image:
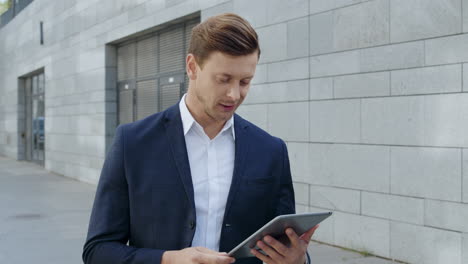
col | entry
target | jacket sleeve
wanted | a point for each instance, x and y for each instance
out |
(286, 202)
(109, 226)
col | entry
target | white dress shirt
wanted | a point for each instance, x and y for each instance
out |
(211, 165)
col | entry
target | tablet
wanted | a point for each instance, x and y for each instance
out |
(275, 228)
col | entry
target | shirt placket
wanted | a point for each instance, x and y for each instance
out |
(212, 172)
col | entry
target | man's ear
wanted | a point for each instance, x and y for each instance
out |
(191, 66)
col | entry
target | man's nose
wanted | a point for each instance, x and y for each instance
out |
(234, 92)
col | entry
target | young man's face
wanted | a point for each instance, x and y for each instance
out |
(222, 83)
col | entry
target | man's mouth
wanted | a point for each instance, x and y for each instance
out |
(227, 107)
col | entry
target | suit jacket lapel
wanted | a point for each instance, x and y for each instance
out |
(175, 135)
(241, 150)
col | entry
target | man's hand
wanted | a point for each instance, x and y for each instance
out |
(278, 253)
(196, 255)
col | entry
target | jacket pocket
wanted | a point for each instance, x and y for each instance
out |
(260, 180)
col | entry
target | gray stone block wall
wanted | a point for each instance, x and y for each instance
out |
(369, 95)
(362, 233)
(387, 122)
(422, 244)
(80, 73)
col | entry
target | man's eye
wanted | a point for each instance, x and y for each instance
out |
(244, 83)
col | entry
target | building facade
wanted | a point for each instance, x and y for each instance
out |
(370, 97)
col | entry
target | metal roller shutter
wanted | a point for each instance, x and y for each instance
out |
(151, 71)
(147, 57)
(171, 50)
(170, 94)
(146, 98)
(126, 107)
(126, 59)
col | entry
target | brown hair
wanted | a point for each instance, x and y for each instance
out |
(227, 33)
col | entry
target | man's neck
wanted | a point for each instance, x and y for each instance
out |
(210, 126)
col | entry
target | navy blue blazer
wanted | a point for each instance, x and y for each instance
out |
(145, 194)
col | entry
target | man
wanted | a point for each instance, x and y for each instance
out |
(192, 181)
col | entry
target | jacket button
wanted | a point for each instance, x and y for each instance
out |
(192, 224)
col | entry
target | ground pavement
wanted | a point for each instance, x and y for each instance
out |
(44, 219)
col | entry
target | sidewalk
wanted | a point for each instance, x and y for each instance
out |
(44, 219)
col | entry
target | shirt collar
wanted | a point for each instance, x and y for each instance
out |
(188, 121)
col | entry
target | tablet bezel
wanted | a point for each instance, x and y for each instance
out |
(299, 222)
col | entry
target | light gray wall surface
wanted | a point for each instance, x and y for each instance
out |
(370, 97)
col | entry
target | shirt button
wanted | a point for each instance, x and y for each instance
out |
(192, 224)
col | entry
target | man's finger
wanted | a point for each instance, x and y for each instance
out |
(209, 251)
(260, 256)
(295, 242)
(277, 245)
(308, 234)
(270, 251)
(209, 258)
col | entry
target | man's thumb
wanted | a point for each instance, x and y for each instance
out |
(308, 235)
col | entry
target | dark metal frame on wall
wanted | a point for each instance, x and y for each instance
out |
(33, 131)
(163, 82)
(171, 79)
(16, 7)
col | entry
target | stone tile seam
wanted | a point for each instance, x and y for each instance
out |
(337, 8)
(381, 193)
(388, 44)
(358, 98)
